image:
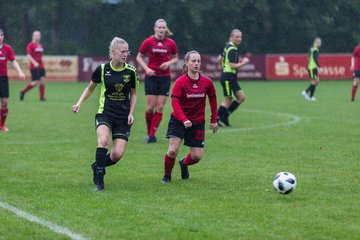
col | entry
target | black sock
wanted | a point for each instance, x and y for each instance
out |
(233, 106)
(223, 111)
(308, 89)
(101, 157)
(108, 161)
(312, 90)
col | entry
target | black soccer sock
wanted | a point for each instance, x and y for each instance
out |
(308, 89)
(312, 90)
(233, 106)
(108, 161)
(223, 111)
(101, 158)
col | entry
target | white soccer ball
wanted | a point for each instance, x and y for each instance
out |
(284, 182)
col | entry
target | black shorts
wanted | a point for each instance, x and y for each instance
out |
(119, 128)
(4, 87)
(356, 74)
(193, 137)
(157, 85)
(37, 73)
(230, 84)
(313, 73)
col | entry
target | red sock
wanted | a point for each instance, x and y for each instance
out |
(3, 116)
(155, 123)
(42, 91)
(148, 117)
(353, 92)
(27, 88)
(168, 165)
(189, 161)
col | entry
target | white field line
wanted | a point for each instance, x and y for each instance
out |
(52, 226)
(293, 119)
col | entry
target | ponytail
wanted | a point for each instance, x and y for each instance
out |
(168, 32)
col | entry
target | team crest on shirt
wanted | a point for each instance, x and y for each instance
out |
(119, 87)
(126, 78)
(195, 85)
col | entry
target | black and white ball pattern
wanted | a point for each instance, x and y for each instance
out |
(284, 182)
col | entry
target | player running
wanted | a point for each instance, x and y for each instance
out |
(187, 120)
(162, 53)
(6, 54)
(35, 52)
(230, 64)
(355, 67)
(313, 70)
(118, 81)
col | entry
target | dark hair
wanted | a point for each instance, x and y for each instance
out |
(186, 58)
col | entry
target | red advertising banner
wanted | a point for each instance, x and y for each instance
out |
(294, 66)
(210, 67)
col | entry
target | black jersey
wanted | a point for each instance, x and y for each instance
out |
(116, 85)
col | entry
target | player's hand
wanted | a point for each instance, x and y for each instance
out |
(214, 127)
(130, 119)
(150, 72)
(165, 65)
(36, 64)
(22, 76)
(245, 60)
(187, 124)
(75, 108)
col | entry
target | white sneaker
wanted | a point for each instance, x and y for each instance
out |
(313, 99)
(305, 95)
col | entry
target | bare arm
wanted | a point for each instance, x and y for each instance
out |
(32, 60)
(238, 65)
(352, 66)
(174, 59)
(220, 59)
(87, 92)
(18, 69)
(133, 99)
(140, 60)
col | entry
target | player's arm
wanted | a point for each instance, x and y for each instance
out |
(316, 58)
(233, 59)
(352, 66)
(174, 58)
(32, 60)
(87, 92)
(220, 59)
(213, 108)
(18, 69)
(175, 103)
(140, 59)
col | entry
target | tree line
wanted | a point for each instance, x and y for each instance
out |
(85, 27)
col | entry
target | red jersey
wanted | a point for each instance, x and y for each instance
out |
(6, 54)
(356, 55)
(159, 51)
(36, 51)
(188, 99)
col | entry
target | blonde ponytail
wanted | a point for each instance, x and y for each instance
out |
(168, 32)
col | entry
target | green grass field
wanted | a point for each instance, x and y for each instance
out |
(45, 170)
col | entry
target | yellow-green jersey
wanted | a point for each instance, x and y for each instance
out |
(230, 55)
(313, 58)
(116, 85)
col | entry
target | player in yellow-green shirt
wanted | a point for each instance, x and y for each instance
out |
(313, 70)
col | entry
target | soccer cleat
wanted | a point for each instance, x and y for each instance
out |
(305, 95)
(43, 100)
(225, 120)
(353, 100)
(100, 179)
(21, 96)
(4, 129)
(313, 99)
(218, 122)
(94, 167)
(184, 169)
(149, 139)
(166, 179)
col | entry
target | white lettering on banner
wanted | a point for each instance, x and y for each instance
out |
(195, 95)
(332, 70)
(299, 70)
(89, 64)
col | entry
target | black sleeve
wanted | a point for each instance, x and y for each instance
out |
(96, 76)
(233, 56)
(316, 58)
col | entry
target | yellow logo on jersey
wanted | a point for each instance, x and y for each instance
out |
(119, 87)
(126, 78)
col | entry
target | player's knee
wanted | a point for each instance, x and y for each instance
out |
(117, 155)
(196, 157)
(4, 103)
(160, 107)
(103, 142)
(172, 153)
